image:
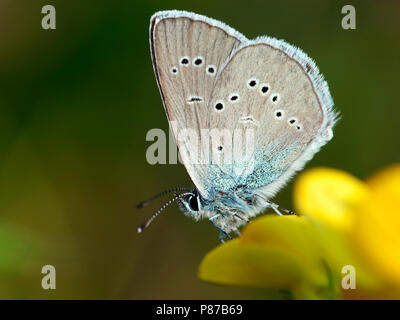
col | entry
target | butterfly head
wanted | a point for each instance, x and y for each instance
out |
(192, 204)
(237, 201)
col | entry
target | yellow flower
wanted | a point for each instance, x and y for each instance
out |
(365, 216)
(377, 229)
(273, 252)
(345, 221)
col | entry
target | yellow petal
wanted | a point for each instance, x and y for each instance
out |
(387, 180)
(273, 252)
(385, 292)
(329, 196)
(337, 252)
(253, 265)
(376, 234)
(291, 234)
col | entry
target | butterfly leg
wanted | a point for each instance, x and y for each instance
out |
(222, 232)
(278, 209)
(221, 237)
(237, 232)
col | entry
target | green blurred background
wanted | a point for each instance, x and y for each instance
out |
(76, 104)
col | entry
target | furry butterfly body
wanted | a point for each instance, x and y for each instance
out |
(212, 77)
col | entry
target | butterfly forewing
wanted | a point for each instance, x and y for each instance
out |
(188, 51)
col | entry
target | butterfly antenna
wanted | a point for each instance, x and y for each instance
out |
(146, 202)
(147, 223)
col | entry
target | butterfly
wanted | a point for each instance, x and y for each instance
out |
(212, 78)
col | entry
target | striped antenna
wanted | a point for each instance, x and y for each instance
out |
(147, 223)
(146, 202)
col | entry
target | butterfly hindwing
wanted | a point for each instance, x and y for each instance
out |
(283, 99)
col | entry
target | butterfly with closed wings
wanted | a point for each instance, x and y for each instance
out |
(211, 77)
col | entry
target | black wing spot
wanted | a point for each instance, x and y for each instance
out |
(195, 99)
(219, 106)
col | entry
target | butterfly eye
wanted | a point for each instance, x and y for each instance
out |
(193, 204)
